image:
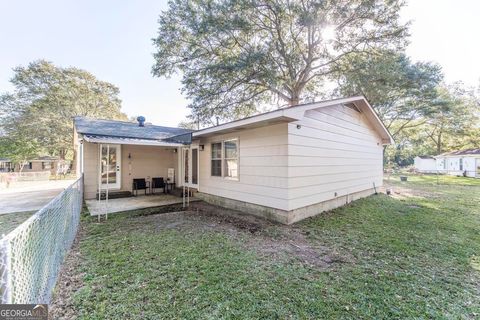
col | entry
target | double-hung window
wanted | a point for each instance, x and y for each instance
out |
(225, 159)
(230, 158)
(217, 159)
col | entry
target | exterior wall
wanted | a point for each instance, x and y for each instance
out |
(288, 173)
(37, 167)
(146, 162)
(453, 165)
(90, 169)
(425, 165)
(334, 153)
(263, 163)
(470, 165)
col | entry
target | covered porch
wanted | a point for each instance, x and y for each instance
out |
(112, 165)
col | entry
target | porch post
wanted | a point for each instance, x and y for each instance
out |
(99, 176)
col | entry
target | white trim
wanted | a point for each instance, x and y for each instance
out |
(130, 141)
(118, 171)
(296, 113)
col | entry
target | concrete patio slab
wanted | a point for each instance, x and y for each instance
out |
(132, 203)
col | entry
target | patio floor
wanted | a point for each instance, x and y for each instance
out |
(133, 203)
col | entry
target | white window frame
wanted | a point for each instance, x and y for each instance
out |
(212, 159)
(223, 159)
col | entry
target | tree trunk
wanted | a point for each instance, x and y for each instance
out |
(439, 143)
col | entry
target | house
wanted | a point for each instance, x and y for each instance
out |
(6, 165)
(425, 164)
(40, 164)
(463, 162)
(285, 165)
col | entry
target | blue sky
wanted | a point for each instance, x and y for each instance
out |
(112, 40)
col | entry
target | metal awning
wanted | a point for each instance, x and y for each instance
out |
(132, 141)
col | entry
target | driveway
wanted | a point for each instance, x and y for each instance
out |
(30, 196)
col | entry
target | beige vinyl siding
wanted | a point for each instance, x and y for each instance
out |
(146, 162)
(90, 169)
(334, 153)
(263, 173)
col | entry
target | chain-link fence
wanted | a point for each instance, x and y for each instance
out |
(32, 254)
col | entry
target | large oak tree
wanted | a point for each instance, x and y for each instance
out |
(237, 55)
(46, 98)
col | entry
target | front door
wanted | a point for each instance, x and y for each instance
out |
(110, 158)
(190, 167)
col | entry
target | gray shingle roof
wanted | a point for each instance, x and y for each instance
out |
(123, 129)
(463, 152)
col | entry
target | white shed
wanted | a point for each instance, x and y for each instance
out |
(425, 164)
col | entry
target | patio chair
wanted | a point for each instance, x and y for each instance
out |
(140, 184)
(158, 183)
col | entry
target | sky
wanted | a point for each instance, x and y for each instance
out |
(112, 40)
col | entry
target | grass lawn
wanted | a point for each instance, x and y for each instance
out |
(413, 255)
(10, 221)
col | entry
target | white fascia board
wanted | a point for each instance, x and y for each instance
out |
(283, 114)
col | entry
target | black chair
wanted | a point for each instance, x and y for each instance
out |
(140, 184)
(158, 183)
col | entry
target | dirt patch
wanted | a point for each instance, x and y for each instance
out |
(69, 281)
(270, 240)
(404, 192)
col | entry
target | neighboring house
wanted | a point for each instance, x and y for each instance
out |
(284, 165)
(425, 164)
(6, 165)
(40, 164)
(463, 162)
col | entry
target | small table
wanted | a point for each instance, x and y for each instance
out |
(169, 185)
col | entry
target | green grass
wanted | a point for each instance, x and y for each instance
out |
(10, 221)
(416, 257)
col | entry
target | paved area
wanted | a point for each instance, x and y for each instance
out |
(132, 203)
(30, 196)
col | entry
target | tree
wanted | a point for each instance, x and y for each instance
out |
(18, 149)
(45, 100)
(454, 125)
(400, 91)
(237, 55)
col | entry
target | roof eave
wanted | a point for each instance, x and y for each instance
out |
(278, 116)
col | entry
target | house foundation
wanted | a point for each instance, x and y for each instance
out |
(283, 216)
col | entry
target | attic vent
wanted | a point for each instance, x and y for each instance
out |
(352, 106)
(141, 121)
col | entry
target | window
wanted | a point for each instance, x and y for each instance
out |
(217, 159)
(461, 164)
(46, 165)
(225, 159)
(231, 159)
(5, 166)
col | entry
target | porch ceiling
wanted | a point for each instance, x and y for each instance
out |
(131, 141)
